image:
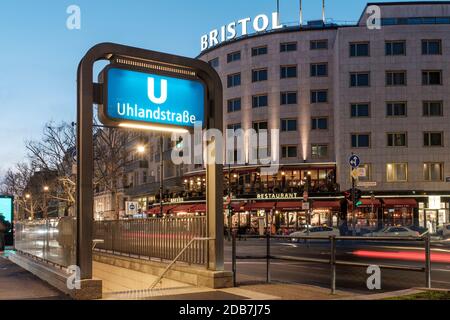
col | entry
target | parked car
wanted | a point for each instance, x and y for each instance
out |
(420, 230)
(394, 232)
(315, 232)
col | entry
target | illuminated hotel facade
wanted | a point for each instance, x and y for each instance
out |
(333, 90)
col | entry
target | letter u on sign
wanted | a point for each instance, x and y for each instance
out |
(151, 91)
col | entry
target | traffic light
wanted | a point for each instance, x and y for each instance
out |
(348, 195)
(358, 196)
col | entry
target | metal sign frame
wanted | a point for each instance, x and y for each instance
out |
(90, 93)
(103, 107)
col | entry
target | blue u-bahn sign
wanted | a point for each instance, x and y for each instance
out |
(145, 97)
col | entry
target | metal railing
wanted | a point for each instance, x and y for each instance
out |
(161, 276)
(332, 262)
(154, 238)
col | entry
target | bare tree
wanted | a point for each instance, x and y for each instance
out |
(111, 159)
(54, 153)
(16, 183)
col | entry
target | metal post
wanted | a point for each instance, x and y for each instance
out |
(333, 264)
(233, 257)
(354, 207)
(161, 174)
(427, 262)
(268, 258)
(230, 213)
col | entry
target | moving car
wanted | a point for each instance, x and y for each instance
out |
(394, 232)
(315, 232)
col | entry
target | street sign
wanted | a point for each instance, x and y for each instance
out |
(131, 208)
(151, 98)
(305, 196)
(367, 184)
(361, 172)
(354, 161)
(305, 206)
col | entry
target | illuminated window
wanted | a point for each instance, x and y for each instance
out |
(397, 172)
(319, 151)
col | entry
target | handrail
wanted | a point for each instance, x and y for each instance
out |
(176, 259)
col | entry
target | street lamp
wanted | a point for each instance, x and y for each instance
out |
(140, 149)
(46, 190)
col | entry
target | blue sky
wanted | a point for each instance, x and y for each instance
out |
(39, 55)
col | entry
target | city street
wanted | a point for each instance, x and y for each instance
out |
(348, 278)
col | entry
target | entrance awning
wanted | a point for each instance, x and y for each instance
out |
(289, 206)
(183, 208)
(400, 203)
(235, 206)
(157, 210)
(327, 205)
(259, 206)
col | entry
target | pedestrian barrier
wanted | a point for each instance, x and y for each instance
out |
(331, 261)
(154, 238)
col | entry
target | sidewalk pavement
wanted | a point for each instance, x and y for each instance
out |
(19, 284)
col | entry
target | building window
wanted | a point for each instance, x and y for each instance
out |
(433, 171)
(360, 110)
(396, 78)
(397, 172)
(433, 139)
(288, 47)
(319, 123)
(259, 51)
(396, 48)
(288, 125)
(234, 56)
(433, 109)
(359, 49)
(431, 77)
(144, 176)
(260, 101)
(260, 125)
(359, 79)
(288, 98)
(319, 151)
(360, 140)
(319, 69)
(234, 80)
(288, 72)
(397, 139)
(234, 105)
(431, 47)
(368, 172)
(396, 109)
(319, 96)
(288, 152)
(214, 62)
(318, 44)
(234, 126)
(259, 75)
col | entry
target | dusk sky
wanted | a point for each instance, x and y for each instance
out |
(39, 55)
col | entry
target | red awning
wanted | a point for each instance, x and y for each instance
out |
(157, 210)
(201, 207)
(400, 203)
(289, 206)
(327, 205)
(259, 206)
(235, 206)
(183, 208)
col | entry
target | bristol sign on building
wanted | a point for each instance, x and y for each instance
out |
(260, 23)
